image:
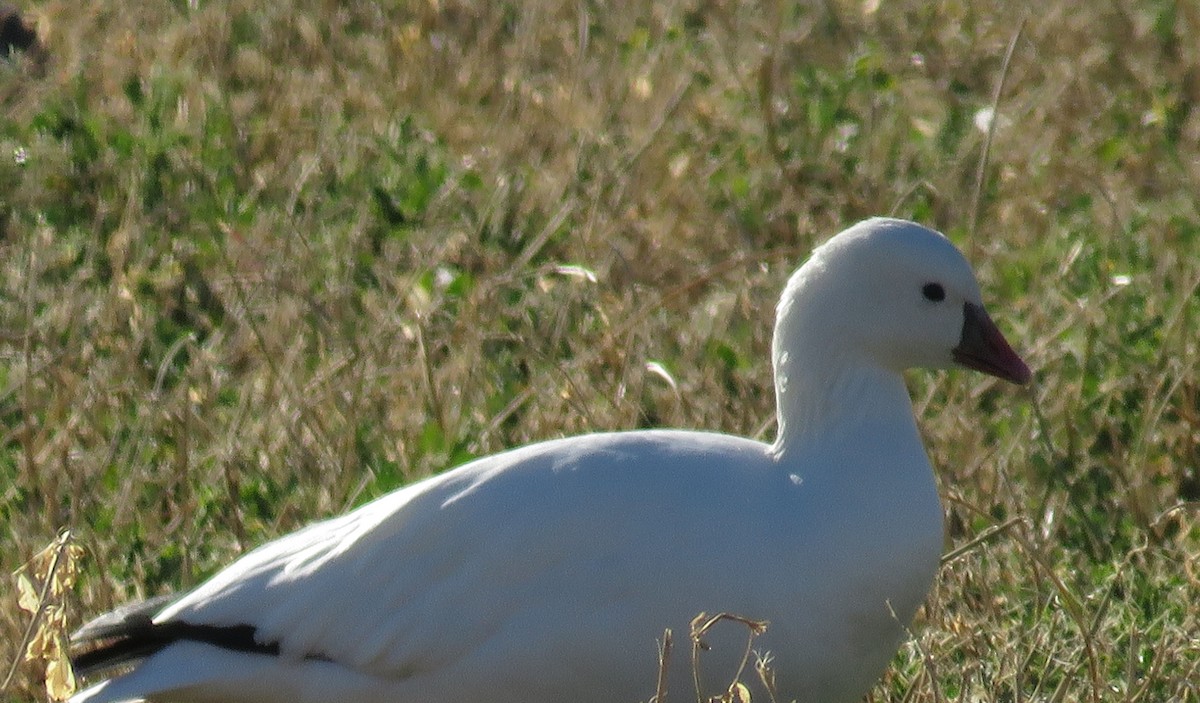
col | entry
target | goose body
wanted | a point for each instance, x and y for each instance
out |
(548, 573)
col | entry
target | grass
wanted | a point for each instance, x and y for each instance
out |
(261, 263)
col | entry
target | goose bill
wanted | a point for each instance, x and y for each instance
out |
(982, 347)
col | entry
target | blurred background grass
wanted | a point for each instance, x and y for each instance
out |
(262, 262)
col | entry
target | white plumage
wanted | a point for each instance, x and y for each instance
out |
(547, 574)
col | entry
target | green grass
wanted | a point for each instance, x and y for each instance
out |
(259, 263)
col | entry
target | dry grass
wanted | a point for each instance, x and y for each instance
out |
(261, 262)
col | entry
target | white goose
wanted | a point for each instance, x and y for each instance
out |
(546, 574)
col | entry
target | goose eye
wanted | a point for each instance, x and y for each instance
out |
(934, 292)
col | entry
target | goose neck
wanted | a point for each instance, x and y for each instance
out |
(847, 400)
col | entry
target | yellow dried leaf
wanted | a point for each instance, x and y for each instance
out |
(60, 581)
(54, 618)
(40, 645)
(27, 595)
(68, 565)
(60, 679)
(738, 693)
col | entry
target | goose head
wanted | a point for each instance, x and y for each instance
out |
(881, 297)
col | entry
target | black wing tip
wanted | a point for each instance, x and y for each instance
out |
(104, 660)
(121, 638)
